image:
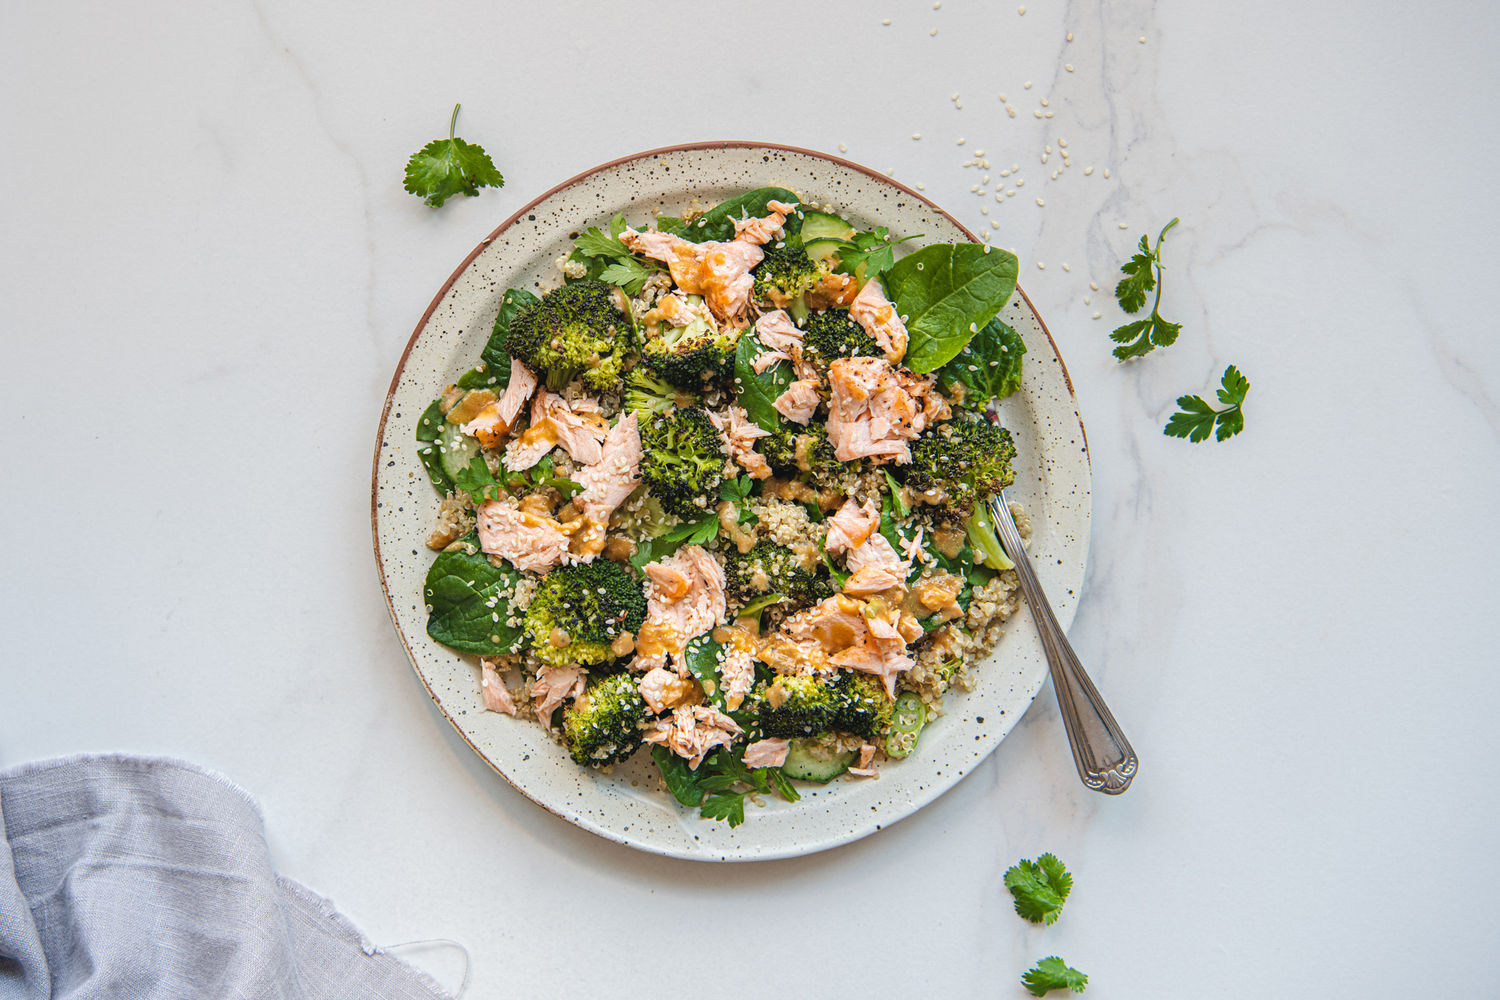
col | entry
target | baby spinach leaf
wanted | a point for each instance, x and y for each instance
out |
(989, 366)
(717, 223)
(485, 377)
(682, 781)
(702, 659)
(758, 393)
(494, 353)
(430, 423)
(469, 598)
(945, 293)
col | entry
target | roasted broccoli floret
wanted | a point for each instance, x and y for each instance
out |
(603, 725)
(794, 449)
(575, 331)
(784, 274)
(957, 467)
(797, 705)
(864, 708)
(768, 569)
(691, 356)
(682, 461)
(579, 612)
(831, 334)
(645, 394)
(961, 462)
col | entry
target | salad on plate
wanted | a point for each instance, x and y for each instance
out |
(720, 491)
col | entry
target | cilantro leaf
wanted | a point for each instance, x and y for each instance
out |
(1197, 418)
(447, 167)
(1052, 973)
(475, 479)
(611, 260)
(1039, 888)
(1142, 274)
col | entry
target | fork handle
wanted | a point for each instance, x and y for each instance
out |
(1106, 762)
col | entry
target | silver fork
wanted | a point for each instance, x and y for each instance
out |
(1104, 757)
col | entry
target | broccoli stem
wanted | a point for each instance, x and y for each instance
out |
(982, 538)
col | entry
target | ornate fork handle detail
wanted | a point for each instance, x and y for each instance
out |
(1104, 757)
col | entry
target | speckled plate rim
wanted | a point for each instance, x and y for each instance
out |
(812, 846)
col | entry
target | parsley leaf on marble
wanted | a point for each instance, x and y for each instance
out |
(1197, 417)
(1052, 973)
(1142, 274)
(447, 167)
(1039, 888)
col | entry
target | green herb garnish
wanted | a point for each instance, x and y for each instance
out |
(1052, 973)
(1197, 417)
(446, 167)
(1039, 888)
(1142, 274)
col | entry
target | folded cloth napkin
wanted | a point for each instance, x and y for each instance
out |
(149, 879)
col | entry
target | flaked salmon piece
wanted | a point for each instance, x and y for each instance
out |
(692, 731)
(740, 433)
(767, 753)
(835, 291)
(578, 426)
(875, 410)
(862, 767)
(676, 310)
(720, 272)
(913, 550)
(835, 623)
(783, 342)
(800, 401)
(529, 541)
(517, 391)
(663, 689)
(851, 525)
(684, 599)
(493, 690)
(875, 566)
(766, 228)
(883, 658)
(554, 685)
(615, 476)
(873, 311)
(737, 667)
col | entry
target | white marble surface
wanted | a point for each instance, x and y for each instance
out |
(209, 271)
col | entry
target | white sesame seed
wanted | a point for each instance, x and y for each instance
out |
(1087, 171)
(933, 31)
(1021, 183)
(886, 21)
(921, 187)
(1044, 157)
(954, 97)
(1046, 149)
(1070, 36)
(962, 141)
(1015, 168)
(1087, 300)
(1124, 226)
(1106, 173)
(1037, 113)
(1027, 84)
(916, 135)
(1047, 115)
(1094, 285)
(1010, 193)
(1040, 266)
(974, 188)
(1068, 67)
(1055, 173)
(1066, 267)
(984, 234)
(980, 153)
(1005, 173)
(1096, 316)
(999, 196)
(843, 148)
(1142, 39)
(958, 105)
(1010, 110)
(1021, 11)
(1040, 203)
(1044, 102)
(984, 210)
(1062, 144)
(937, 4)
(1003, 98)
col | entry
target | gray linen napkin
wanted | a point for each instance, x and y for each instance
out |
(149, 879)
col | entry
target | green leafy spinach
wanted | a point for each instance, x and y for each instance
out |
(945, 293)
(469, 598)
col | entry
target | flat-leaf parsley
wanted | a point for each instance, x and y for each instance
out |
(1052, 973)
(1142, 274)
(446, 167)
(1197, 417)
(1039, 888)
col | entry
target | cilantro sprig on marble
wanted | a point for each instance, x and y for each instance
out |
(447, 167)
(1040, 888)
(1197, 418)
(1142, 274)
(1052, 973)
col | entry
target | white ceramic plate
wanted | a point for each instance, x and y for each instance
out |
(630, 805)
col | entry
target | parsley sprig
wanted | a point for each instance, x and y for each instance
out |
(446, 167)
(874, 249)
(1142, 274)
(1040, 887)
(1052, 973)
(481, 485)
(619, 265)
(720, 785)
(1197, 417)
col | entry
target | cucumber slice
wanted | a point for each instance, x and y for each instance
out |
(455, 449)
(803, 764)
(821, 225)
(822, 248)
